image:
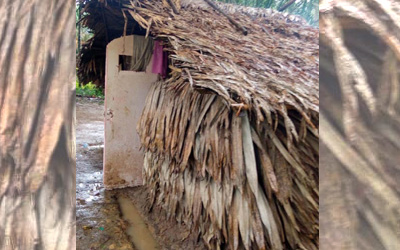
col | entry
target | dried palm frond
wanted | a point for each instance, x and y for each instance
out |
(227, 177)
(231, 136)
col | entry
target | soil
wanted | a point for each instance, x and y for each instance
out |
(100, 223)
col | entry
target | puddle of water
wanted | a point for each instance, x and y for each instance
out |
(138, 231)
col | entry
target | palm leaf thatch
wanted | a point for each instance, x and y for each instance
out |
(110, 19)
(231, 137)
(360, 124)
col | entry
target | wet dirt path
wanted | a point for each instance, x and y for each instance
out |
(101, 214)
(99, 224)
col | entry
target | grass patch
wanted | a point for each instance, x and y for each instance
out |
(89, 90)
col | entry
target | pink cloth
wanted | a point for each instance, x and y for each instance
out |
(160, 60)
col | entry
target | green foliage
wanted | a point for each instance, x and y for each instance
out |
(83, 33)
(89, 90)
(308, 9)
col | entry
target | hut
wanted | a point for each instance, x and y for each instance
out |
(230, 135)
(360, 125)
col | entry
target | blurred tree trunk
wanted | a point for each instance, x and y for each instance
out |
(37, 168)
(360, 124)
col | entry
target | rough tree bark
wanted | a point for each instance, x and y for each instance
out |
(360, 124)
(37, 170)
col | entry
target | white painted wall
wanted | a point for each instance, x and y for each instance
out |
(125, 95)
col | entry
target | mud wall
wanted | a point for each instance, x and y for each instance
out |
(125, 95)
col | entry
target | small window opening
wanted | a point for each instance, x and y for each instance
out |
(125, 63)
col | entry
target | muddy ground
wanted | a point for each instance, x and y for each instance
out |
(100, 223)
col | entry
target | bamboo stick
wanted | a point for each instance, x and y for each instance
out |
(237, 25)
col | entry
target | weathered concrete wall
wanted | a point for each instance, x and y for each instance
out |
(126, 93)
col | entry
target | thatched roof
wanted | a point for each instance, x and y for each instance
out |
(232, 181)
(360, 124)
(277, 60)
(248, 181)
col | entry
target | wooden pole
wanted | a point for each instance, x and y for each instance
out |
(105, 23)
(173, 6)
(238, 26)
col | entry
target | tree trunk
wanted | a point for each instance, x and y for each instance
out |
(37, 168)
